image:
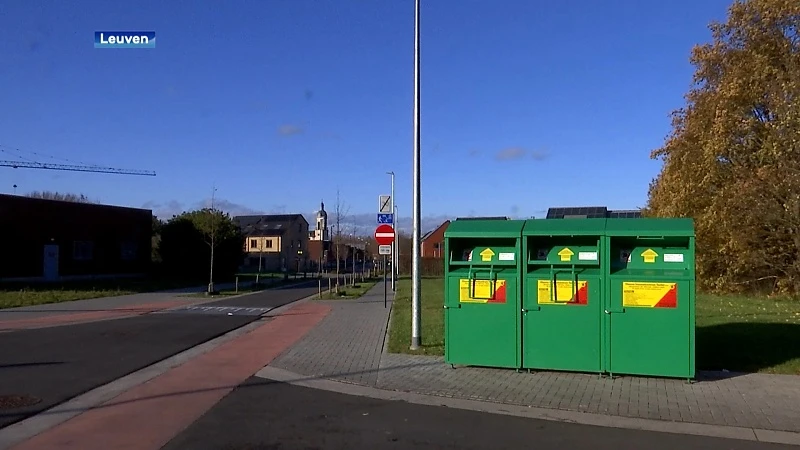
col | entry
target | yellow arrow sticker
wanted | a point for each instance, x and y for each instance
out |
(487, 254)
(566, 254)
(649, 255)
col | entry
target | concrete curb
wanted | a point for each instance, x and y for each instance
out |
(697, 429)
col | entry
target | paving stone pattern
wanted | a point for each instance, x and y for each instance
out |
(347, 346)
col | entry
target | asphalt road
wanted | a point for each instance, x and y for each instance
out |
(58, 363)
(262, 414)
(271, 298)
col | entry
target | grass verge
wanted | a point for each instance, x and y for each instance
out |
(736, 333)
(16, 294)
(431, 299)
(349, 292)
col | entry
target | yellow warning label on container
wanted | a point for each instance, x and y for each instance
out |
(482, 291)
(649, 295)
(565, 293)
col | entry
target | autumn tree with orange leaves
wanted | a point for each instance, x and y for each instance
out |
(732, 161)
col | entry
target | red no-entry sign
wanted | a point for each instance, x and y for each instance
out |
(384, 234)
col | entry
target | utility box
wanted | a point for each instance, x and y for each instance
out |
(482, 292)
(650, 312)
(562, 301)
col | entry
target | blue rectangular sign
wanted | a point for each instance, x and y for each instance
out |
(124, 39)
(386, 218)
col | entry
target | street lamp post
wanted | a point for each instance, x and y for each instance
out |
(416, 281)
(394, 243)
(213, 219)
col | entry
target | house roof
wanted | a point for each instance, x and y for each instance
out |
(268, 224)
(430, 233)
(591, 212)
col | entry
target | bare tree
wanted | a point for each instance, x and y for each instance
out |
(340, 215)
(47, 195)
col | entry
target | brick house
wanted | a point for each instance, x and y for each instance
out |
(432, 245)
(275, 242)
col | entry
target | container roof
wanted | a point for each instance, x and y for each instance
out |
(585, 227)
(500, 227)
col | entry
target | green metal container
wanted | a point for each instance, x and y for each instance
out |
(650, 312)
(562, 300)
(482, 292)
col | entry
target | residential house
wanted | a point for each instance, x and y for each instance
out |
(275, 242)
(432, 243)
(52, 240)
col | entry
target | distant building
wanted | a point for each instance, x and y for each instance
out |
(321, 233)
(54, 240)
(319, 245)
(590, 212)
(275, 242)
(432, 242)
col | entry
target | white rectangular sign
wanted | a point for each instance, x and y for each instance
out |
(587, 256)
(385, 204)
(385, 250)
(505, 256)
(673, 257)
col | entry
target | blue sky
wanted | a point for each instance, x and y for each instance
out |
(525, 104)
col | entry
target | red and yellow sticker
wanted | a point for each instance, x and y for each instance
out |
(649, 295)
(565, 293)
(482, 291)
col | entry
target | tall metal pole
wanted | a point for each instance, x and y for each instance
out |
(394, 243)
(416, 283)
(213, 219)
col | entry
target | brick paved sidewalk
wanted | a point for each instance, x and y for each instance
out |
(347, 346)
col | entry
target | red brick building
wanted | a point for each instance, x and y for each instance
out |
(432, 245)
(53, 239)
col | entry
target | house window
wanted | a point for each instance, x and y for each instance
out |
(128, 251)
(82, 250)
(268, 243)
(436, 245)
(253, 243)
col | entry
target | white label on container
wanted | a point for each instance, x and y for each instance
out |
(505, 256)
(673, 257)
(587, 256)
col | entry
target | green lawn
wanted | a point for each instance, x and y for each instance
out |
(736, 333)
(28, 294)
(347, 292)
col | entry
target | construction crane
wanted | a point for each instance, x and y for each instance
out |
(27, 163)
(73, 168)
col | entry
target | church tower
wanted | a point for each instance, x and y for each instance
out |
(321, 233)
